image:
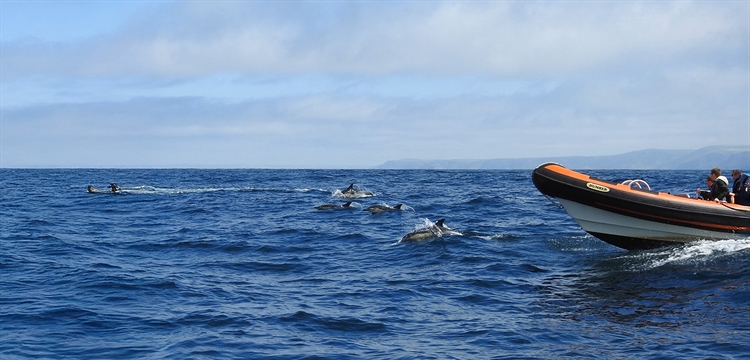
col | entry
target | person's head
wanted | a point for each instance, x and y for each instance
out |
(709, 180)
(736, 173)
(715, 172)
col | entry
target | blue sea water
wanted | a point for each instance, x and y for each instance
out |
(240, 264)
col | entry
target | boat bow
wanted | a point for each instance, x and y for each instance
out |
(639, 218)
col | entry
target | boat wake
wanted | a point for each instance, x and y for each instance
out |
(691, 254)
(151, 190)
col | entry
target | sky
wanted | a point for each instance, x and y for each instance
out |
(353, 84)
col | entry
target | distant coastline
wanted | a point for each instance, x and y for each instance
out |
(724, 157)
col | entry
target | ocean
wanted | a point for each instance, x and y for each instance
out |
(238, 264)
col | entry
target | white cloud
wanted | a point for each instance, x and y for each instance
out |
(359, 83)
(493, 38)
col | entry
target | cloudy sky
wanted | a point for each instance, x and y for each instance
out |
(350, 84)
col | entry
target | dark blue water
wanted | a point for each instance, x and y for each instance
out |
(239, 264)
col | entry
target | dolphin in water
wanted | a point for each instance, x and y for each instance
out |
(377, 209)
(334, 206)
(112, 188)
(436, 230)
(352, 193)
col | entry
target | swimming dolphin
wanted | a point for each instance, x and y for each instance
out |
(377, 209)
(334, 206)
(352, 193)
(445, 229)
(111, 189)
(435, 230)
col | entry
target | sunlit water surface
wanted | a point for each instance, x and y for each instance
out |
(240, 264)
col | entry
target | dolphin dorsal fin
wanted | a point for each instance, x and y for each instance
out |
(347, 204)
(398, 206)
(440, 222)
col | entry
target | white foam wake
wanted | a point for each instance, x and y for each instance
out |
(695, 253)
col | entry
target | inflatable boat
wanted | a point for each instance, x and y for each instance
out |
(631, 216)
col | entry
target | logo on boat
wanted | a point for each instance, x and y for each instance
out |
(597, 187)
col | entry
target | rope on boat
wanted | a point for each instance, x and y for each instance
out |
(726, 205)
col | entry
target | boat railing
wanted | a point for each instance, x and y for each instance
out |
(641, 184)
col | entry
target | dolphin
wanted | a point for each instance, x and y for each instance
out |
(422, 234)
(111, 189)
(435, 230)
(377, 209)
(352, 193)
(445, 229)
(334, 206)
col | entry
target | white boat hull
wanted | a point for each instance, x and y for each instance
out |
(598, 221)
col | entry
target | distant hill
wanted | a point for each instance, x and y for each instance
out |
(724, 157)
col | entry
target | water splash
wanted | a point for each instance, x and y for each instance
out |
(694, 253)
(357, 195)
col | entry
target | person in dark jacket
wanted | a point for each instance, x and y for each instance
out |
(741, 187)
(703, 194)
(719, 190)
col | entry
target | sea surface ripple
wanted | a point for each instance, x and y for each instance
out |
(240, 264)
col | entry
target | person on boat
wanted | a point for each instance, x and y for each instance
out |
(113, 187)
(741, 187)
(704, 194)
(719, 190)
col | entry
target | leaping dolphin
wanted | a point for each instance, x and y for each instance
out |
(377, 209)
(352, 193)
(435, 230)
(334, 206)
(445, 229)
